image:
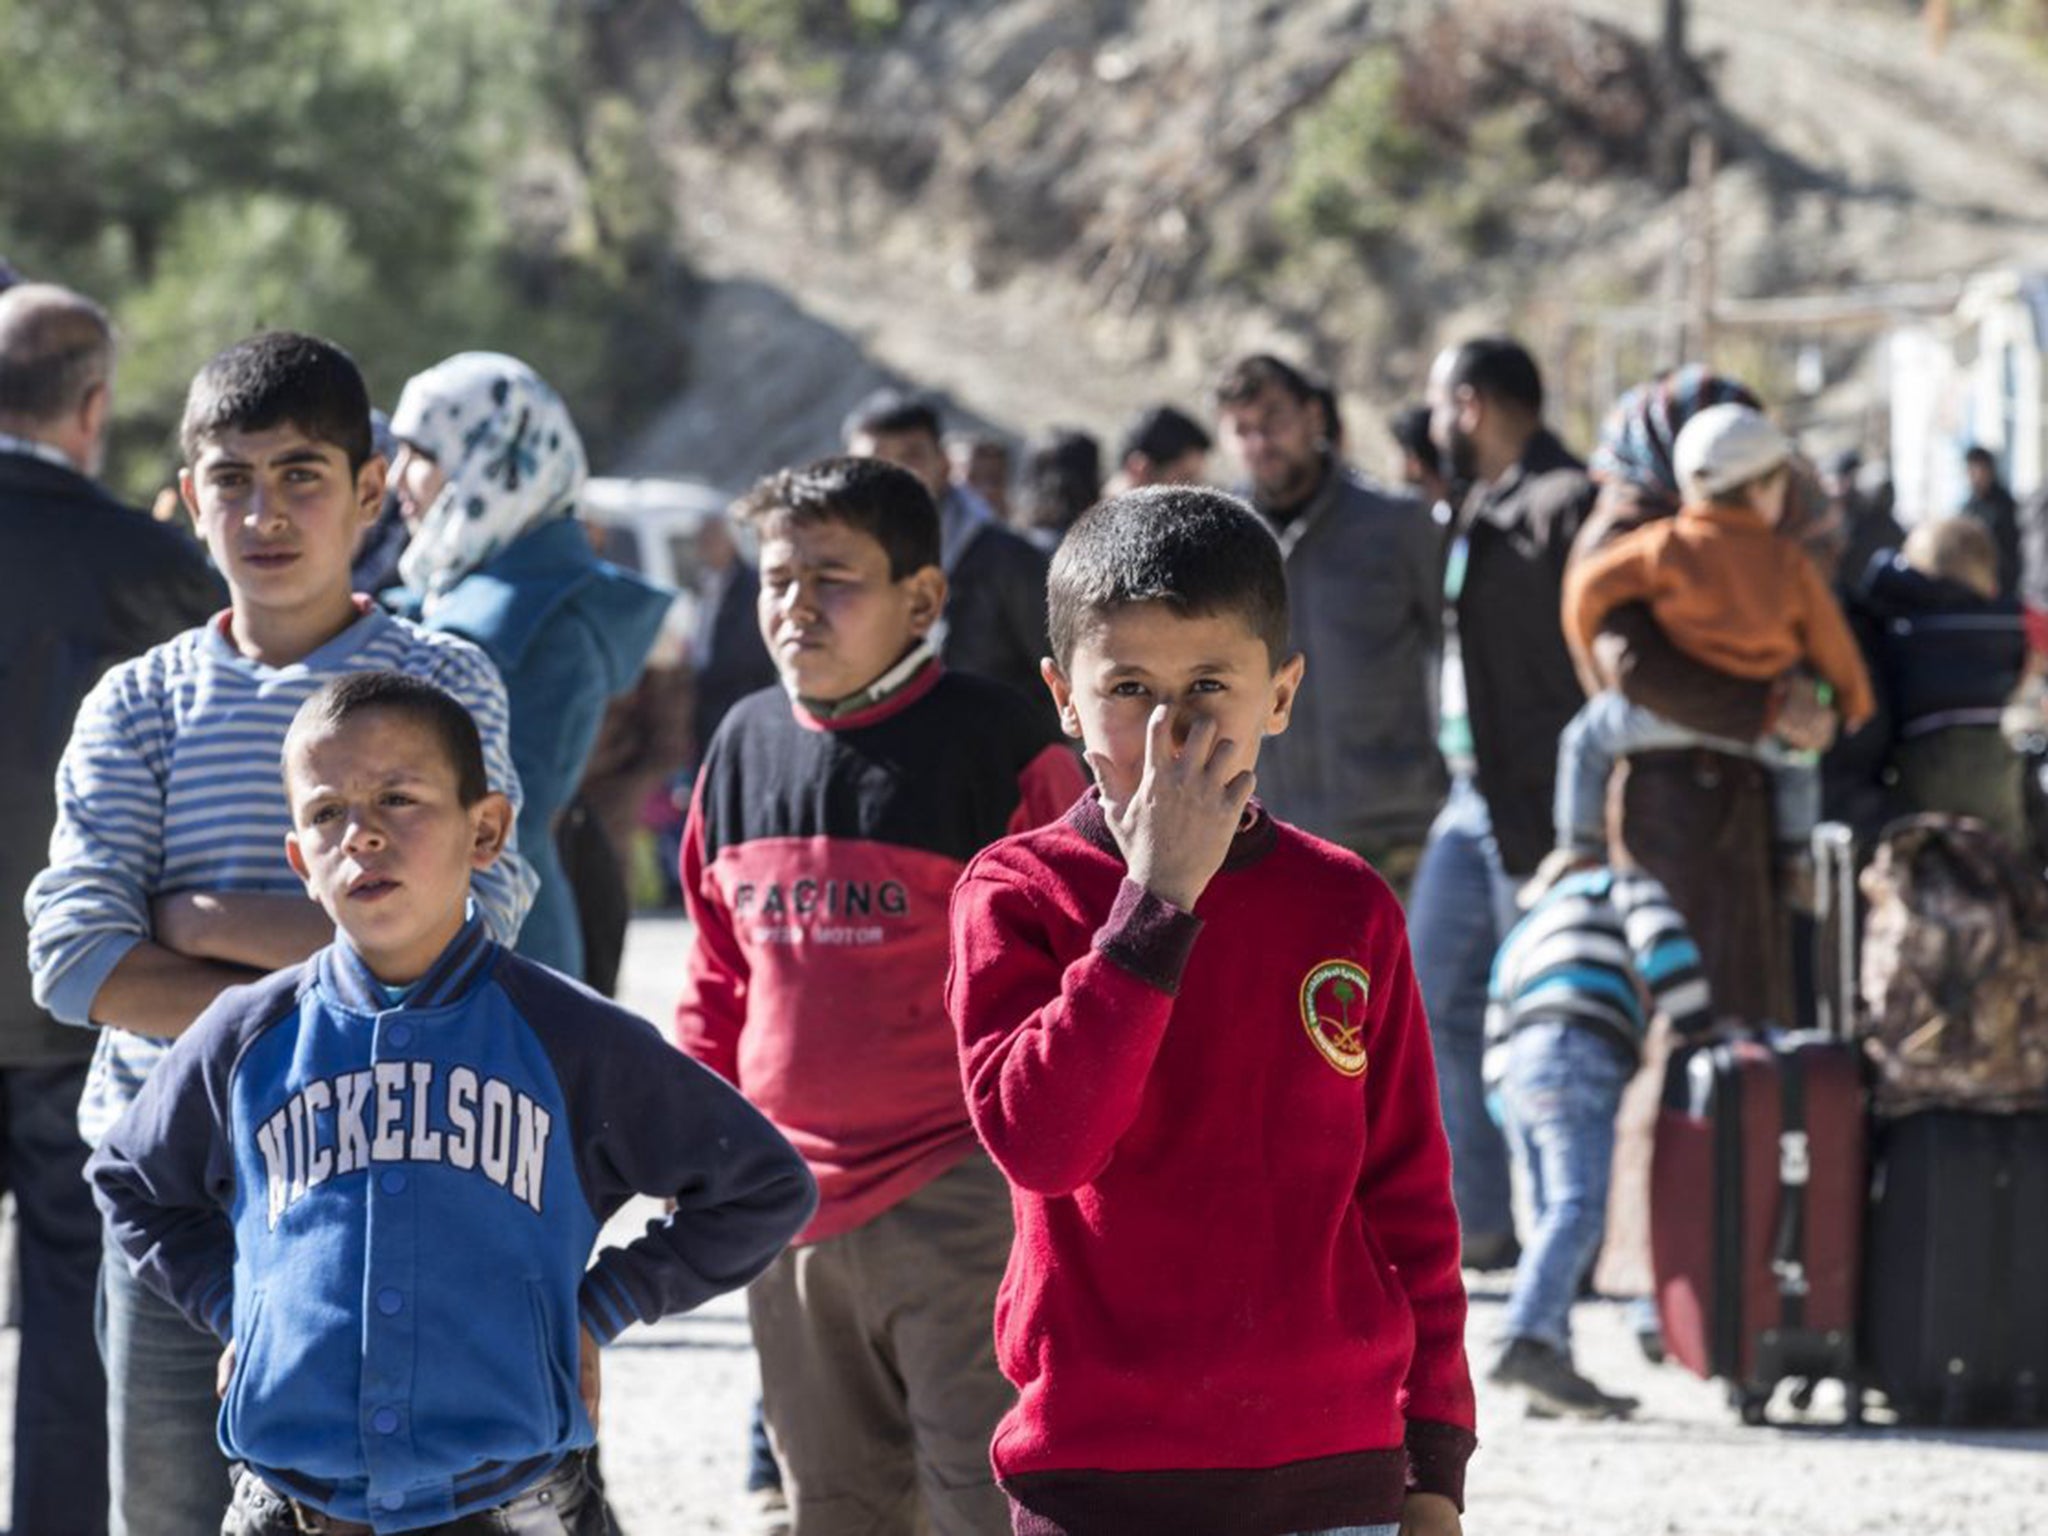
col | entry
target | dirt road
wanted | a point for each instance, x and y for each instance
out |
(677, 1396)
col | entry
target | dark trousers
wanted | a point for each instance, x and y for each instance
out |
(60, 1391)
(1700, 822)
(604, 905)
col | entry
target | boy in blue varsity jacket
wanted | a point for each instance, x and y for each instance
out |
(167, 881)
(378, 1176)
(1573, 988)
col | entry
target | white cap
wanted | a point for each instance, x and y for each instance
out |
(1725, 446)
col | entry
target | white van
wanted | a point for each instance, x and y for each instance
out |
(650, 525)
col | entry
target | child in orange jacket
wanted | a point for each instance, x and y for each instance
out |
(1729, 590)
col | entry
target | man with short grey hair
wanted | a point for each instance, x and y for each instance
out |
(56, 375)
(84, 582)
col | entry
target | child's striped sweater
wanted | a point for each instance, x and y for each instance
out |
(1595, 950)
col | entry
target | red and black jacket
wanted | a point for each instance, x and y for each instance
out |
(816, 865)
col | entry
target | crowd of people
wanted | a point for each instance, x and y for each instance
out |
(1020, 795)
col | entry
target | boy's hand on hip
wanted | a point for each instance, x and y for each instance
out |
(589, 1373)
(1430, 1514)
(224, 1372)
(1176, 821)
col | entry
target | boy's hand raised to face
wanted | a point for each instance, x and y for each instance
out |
(1175, 819)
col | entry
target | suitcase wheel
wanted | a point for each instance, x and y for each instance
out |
(1749, 1403)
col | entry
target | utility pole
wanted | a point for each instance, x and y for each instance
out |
(1700, 246)
(1674, 35)
(1683, 91)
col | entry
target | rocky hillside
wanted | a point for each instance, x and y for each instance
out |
(1057, 209)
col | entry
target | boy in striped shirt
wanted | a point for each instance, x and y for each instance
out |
(167, 880)
(1573, 988)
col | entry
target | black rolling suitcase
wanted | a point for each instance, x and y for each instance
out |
(1955, 1304)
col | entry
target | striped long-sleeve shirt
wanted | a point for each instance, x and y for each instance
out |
(171, 782)
(1596, 950)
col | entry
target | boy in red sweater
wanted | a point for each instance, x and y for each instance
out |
(1191, 1039)
(830, 820)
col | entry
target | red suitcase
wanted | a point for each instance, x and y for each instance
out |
(1758, 1189)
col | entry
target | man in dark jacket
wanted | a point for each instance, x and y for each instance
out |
(727, 653)
(995, 577)
(1507, 690)
(84, 583)
(1949, 655)
(1992, 505)
(1358, 764)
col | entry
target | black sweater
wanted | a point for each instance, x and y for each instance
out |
(1946, 656)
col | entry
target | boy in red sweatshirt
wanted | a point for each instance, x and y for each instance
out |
(830, 820)
(1191, 1039)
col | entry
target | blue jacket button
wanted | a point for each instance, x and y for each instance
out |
(389, 1301)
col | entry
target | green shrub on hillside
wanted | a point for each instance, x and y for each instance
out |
(1436, 138)
(1358, 161)
(794, 24)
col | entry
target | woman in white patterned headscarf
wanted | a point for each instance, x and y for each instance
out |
(487, 474)
(494, 445)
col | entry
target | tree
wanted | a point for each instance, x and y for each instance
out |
(366, 169)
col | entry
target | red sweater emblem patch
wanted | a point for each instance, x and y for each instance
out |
(1333, 999)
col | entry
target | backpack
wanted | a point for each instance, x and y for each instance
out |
(1954, 970)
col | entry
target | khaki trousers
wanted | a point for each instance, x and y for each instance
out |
(878, 1368)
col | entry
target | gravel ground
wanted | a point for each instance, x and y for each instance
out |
(676, 1400)
(677, 1395)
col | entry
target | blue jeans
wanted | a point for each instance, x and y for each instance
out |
(166, 1471)
(1462, 907)
(1609, 726)
(60, 1393)
(762, 1472)
(1560, 1093)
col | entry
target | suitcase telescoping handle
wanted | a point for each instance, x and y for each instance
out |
(1834, 862)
